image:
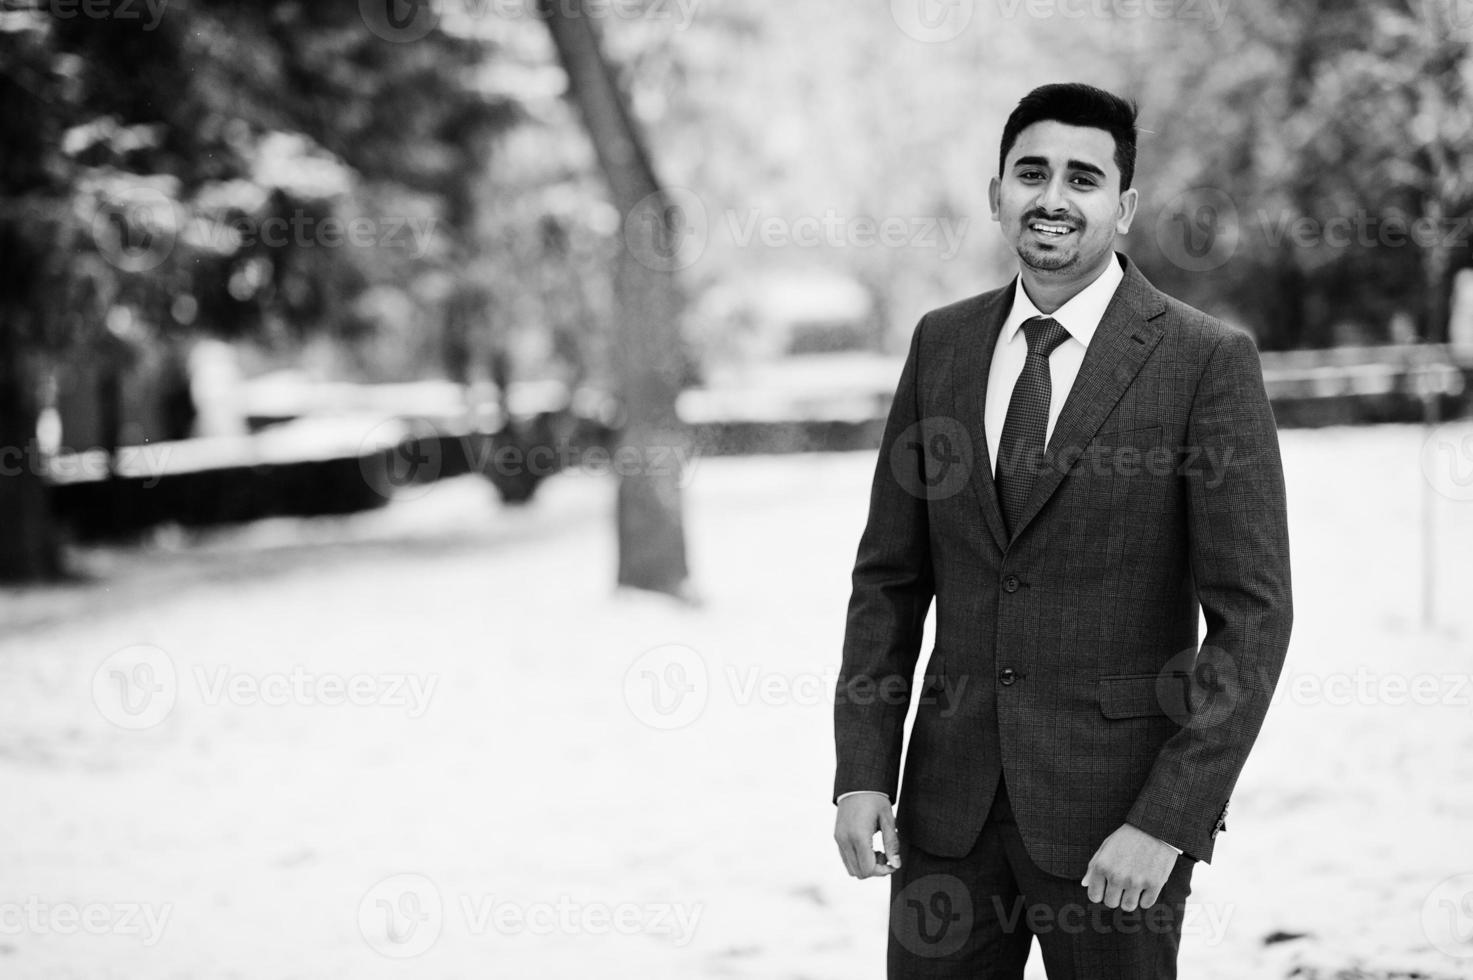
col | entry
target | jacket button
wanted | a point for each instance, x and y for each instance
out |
(1007, 675)
(1010, 583)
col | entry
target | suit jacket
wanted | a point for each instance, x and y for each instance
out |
(1067, 654)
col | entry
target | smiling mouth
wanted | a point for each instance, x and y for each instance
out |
(1050, 230)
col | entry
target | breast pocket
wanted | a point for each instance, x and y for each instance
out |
(1142, 437)
(1129, 458)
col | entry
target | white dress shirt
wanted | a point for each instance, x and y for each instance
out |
(1080, 316)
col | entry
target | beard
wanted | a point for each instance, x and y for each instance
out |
(1043, 255)
(1045, 259)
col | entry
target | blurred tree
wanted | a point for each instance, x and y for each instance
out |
(1420, 68)
(1330, 152)
(34, 232)
(648, 304)
(138, 150)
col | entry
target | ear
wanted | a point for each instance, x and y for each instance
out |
(993, 189)
(1126, 214)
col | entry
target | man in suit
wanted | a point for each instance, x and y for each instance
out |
(1073, 466)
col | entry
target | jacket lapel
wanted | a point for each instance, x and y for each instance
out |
(1127, 334)
(971, 367)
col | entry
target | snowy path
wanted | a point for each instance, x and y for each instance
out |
(512, 764)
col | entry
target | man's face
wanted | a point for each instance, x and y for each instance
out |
(1058, 199)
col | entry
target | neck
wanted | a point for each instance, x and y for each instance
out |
(1051, 290)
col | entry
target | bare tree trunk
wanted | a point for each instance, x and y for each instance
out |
(29, 545)
(1436, 277)
(652, 442)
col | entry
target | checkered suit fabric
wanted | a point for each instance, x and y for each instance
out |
(1067, 653)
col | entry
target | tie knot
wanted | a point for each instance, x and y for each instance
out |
(1044, 334)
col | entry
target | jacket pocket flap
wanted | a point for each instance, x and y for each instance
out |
(1144, 437)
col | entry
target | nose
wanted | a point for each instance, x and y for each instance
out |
(1051, 198)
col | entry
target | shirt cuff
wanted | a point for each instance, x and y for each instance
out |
(1155, 838)
(1170, 845)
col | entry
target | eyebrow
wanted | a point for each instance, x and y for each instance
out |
(1088, 168)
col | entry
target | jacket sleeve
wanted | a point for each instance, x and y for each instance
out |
(892, 590)
(1239, 550)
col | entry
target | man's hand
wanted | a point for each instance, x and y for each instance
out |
(1129, 869)
(859, 817)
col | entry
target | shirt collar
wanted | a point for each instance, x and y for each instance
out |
(1080, 316)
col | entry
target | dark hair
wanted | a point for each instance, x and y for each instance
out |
(1076, 104)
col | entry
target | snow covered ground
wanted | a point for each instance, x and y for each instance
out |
(433, 741)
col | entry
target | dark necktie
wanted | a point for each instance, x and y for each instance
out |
(1020, 453)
